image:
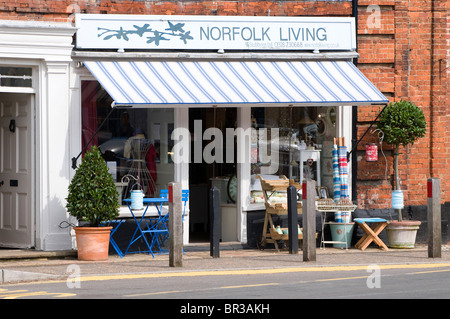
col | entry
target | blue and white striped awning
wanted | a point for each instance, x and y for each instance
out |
(234, 83)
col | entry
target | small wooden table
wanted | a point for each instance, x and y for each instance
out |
(371, 233)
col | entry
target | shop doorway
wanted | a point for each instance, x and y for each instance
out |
(203, 174)
(16, 170)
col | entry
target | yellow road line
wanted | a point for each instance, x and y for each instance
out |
(430, 271)
(154, 293)
(257, 271)
(249, 272)
(5, 291)
(15, 294)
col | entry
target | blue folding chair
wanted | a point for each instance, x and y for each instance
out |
(117, 223)
(158, 227)
(164, 193)
(184, 198)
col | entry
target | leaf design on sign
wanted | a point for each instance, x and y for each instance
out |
(174, 31)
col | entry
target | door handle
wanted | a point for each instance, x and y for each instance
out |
(12, 126)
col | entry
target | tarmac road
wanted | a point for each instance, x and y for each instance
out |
(250, 286)
(239, 274)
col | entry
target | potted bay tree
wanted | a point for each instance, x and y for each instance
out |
(402, 124)
(92, 199)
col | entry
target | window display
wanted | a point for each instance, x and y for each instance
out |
(305, 139)
(133, 142)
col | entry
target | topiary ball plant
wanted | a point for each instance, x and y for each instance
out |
(92, 192)
(402, 123)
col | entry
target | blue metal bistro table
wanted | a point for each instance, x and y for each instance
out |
(154, 226)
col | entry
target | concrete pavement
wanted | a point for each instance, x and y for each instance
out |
(30, 265)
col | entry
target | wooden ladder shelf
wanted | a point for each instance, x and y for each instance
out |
(269, 187)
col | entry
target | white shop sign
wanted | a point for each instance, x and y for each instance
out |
(112, 31)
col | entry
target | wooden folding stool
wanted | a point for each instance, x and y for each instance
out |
(371, 233)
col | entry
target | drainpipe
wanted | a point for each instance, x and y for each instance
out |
(432, 96)
(354, 111)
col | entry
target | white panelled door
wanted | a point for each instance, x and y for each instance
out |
(16, 170)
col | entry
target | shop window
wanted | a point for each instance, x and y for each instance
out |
(134, 142)
(15, 77)
(300, 129)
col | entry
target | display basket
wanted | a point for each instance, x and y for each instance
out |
(328, 204)
(345, 204)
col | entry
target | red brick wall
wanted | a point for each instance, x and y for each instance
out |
(404, 49)
(404, 56)
(51, 10)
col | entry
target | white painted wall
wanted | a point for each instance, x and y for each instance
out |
(47, 48)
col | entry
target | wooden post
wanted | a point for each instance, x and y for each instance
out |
(175, 226)
(309, 220)
(434, 217)
(292, 219)
(215, 222)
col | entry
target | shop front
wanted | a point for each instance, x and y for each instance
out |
(215, 101)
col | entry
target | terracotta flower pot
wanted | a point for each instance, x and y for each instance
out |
(402, 234)
(92, 242)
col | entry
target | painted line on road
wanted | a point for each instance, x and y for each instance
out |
(264, 271)
(430, 271)
(15, 294)
(257, 271)
(344, 278)
(154, 293)
(197, 290)
(247, 286)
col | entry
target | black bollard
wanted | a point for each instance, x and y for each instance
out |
(292, 220)
(215, 222)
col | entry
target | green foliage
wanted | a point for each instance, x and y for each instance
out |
(402, 123)
(92, 192)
